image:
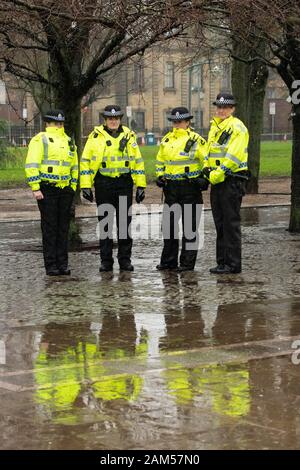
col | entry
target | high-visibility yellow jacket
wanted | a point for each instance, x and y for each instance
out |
(224, 387)
(228, 157)
(62, 377)
(102, 153)
(52, 157)
(174, 162)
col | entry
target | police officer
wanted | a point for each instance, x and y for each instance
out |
(227, 170)
(112, 161)
(178, 169)
(52, 173)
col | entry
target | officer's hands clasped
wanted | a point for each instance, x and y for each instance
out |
(87, 193)
(140, 194)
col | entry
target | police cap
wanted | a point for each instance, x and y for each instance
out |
(112, 111)
(54, 115)
(180, 114)
(224, 100)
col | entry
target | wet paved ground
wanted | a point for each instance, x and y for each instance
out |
(151, 360)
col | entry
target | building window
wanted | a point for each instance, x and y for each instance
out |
(167, 124)
(169, 75)
(138, 78)
(138, 121)
(226, 78)
(196, 77)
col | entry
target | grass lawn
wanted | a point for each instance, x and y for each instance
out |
(275, 161)
(12, 178)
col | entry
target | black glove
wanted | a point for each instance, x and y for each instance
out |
(206, 172)
(140, 194)
(161, 182)
(202, 183)
(87, 193)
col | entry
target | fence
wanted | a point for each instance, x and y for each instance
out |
(20, 136)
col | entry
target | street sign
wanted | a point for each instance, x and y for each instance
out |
(129, 111)
(272, 108)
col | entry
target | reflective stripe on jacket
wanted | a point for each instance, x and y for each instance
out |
(174, 161)
(52, 157)
(102, 153)
(227, 148)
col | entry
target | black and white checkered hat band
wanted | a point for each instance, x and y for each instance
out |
(224, 102)
(111, 114)
(58, 118)
(179, 117)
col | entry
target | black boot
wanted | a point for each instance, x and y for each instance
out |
(164, 267)
(64, 271)
(181, 269)
(224, 269)
(52, 272)
(105, 268)
(216, 269)
(126, 267)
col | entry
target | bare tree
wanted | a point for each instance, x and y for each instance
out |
(277, 25)
(63, 49)
(263, 33)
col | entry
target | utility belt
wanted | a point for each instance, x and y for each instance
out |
(48, 184)
(124, 176)
(183, 182)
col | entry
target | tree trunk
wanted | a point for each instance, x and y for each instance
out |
(72, 110)
(258, 81)
(295, 183)
(240, 82)
(249, 82)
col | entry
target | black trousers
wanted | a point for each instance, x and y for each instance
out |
(187, 198)
(226, 201)
(116, 193)
(55, 211)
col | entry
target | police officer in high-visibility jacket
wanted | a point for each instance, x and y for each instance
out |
(178, 169)
(112, 161)
(227, 170)
(52, 173)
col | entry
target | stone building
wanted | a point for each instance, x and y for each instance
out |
(150, 86)
(147, 88)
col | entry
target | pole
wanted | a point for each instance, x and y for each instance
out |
(273, 126)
